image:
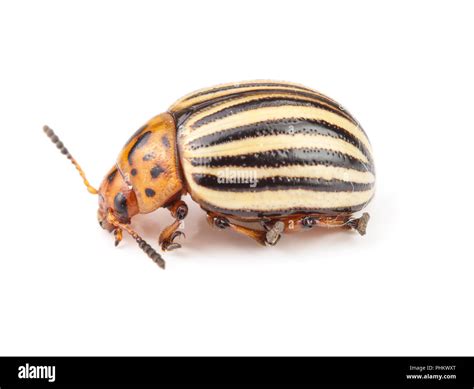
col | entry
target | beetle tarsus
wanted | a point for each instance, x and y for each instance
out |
(118, 236)
(273, 235)
(169, 244)
(360, 224)
(172, 246)
(168, 235)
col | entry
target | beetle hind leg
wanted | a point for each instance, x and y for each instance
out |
(343, 221)
(359, 224)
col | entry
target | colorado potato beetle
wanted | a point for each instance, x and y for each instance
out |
(260, 157)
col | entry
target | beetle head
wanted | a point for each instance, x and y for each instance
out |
(116, 196)
(117, 202)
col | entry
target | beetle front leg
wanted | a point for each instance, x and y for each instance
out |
(118, 236)
(178, 210)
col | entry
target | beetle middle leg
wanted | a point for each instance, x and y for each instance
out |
(178, 210)
(268, 236)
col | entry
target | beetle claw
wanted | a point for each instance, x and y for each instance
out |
(169, 244)
(177, 234)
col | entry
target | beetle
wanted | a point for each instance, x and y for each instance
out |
(260, 157)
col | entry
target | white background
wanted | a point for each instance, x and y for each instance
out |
(96, 71)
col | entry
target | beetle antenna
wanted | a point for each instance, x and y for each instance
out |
(54, 138)
(150, 251)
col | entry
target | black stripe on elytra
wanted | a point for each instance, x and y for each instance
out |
(285, 157)
(142, 139)
(111, 176)
(277, 183)
(244, 85)
(120, 205)
(256, 213)
(136, 134)
(183, 115)
(260, 103)
(288, 126)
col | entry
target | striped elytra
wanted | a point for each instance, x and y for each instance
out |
(268, 148)
(260, 157)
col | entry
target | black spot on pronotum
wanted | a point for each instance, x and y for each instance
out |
(120, 204)
(142, 139)
(149, 192)
(111, 176)
(149, 156)
(133, 172)
(156, 171)
(165, 141)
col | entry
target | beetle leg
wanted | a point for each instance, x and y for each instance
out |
(359, 224)
(341, 221)
(347, 222)
(178, 210)
(273, 235)
(267, 237)
(168, 235)
(118, 236)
